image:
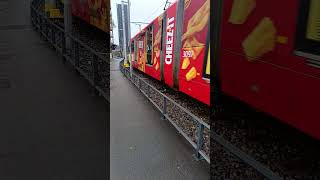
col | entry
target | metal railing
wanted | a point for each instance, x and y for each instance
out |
(168, 107)
(91, 65)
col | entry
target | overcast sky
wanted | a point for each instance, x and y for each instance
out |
(140, 11)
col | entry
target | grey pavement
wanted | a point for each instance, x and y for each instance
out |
(142, 146)
(51, 127)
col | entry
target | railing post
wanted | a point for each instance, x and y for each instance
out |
(199, 139)
(76, 55)
(95, 74)
(37, 22)
(148, 91)
(128, 75)
(32, 15)
(46, 31)
(139, 83)
(49, 32)
(95, 69)
(130, 78)
(63, 46)
(45, 28)
(67, 18)
(40, 25)
(164, 110)
(53, 36)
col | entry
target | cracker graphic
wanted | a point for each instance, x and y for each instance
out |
(157, 38)
(192, 42)
(240, 11)
(261, 40)
(196, 52)
(198, 21)
(185, 64)
(154, 60)
(191, 74)
(187, 3)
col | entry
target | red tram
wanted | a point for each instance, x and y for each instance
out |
(269, 55)
(174, 48)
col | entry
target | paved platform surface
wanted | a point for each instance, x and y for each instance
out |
(51, 127)
(142, 146)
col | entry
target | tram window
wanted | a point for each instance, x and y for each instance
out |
(308, 27)
(206, 67)
(140, 43)
(161, 35)
(132, 46)
(206, 64)
(149, 45)
(136, 51)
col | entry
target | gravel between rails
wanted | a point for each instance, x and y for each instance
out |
(286, 151)
(226, 166)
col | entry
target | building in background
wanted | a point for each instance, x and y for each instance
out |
(112, 26)
(120, 24)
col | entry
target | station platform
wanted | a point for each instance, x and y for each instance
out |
(142, 146)
(51, 126)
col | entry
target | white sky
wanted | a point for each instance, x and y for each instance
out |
(140, 11)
